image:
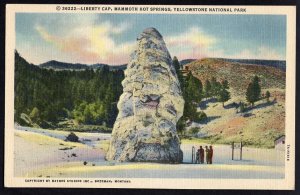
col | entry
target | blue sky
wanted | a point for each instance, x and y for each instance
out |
(110, 38)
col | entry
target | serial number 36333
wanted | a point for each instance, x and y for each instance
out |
(68, 8)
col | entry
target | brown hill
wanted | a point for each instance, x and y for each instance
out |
(258, 126)
(238, 75)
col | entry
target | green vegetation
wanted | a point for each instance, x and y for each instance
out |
(47, 97)
(268, 95)
(256, 126)
(193, 140)
(180, 126)
(86, 100)
(192, 90)
(207, 89)
(242, 107)
(223, 94)
(215, 87)
(253, 93)
(87, 128)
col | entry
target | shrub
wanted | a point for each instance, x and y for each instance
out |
(201, 116)
(242, 107)
(193, 130)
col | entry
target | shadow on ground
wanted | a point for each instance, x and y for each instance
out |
(209, 119)
(203, 104)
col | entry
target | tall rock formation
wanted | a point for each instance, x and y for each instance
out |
(150, 106)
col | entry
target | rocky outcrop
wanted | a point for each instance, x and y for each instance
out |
(150, 106)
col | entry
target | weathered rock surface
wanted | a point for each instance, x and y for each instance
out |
(150, 106)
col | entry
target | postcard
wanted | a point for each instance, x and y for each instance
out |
(150, 96)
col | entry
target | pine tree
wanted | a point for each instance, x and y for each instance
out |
(253, 91)
(194, 89)
(180, 126)
(176, 63)
(207, 89)
(190, 111)
(225, 84)
(215, 87)
(49, 95)
(242, 107)
(268, 95)
(223, 94)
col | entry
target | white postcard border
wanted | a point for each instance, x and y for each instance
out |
(282, 184)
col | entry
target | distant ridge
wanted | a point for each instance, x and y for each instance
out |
(186, 61)
(62, 65)
(281, 64)
(56, 65)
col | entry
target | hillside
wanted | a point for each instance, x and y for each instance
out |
(45, 97)
(258, 126)
(238, 75)
(281, 64)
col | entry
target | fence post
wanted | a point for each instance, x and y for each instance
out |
(241, 150)
(193, 153)
(232, 153)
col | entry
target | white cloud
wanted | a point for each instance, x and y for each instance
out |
(85, 40)
(91, 42)
(193, 43)
(262, 52)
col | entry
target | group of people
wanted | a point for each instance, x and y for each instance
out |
(208, 153)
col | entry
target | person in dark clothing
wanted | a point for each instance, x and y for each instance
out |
(211, 151)
(201, 154)
(207, 154)
(197, 157)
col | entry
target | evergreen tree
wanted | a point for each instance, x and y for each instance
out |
(268, 95)
(190, 111)
(193, 93)
(253, 91)
(180, 126)
(48, 96)
(225, 84)
(242, 107)
(177, 67)
(176, 63)
(207, 89)
(224, 94)
(215, 87)
(194, 89)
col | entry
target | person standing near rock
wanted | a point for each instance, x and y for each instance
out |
(201, 154)
(211, 151)
(198, 157)
(207, 154)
